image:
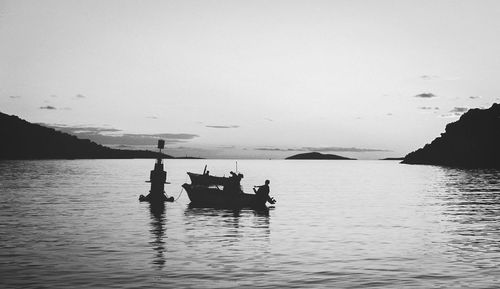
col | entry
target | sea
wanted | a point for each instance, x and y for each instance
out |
(336, 224)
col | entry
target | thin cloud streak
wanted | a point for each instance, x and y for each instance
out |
(222, 126)
(425, 95)
(429, 77)
(49, 107)
(81, 129)
(108, 136)
(322, 149)
(455, 112)
(459, 109)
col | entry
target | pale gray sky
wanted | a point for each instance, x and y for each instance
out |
(252, 78)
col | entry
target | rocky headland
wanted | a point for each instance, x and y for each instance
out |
(471, 142)
(24, 140)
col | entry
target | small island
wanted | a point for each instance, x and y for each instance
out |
(317, 156)
(471, 142)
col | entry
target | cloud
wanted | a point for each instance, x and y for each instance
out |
(80, 96)
(459, 109)
(189, 148)
(278, 150)
(164, 135)
(321, 149)
(389, 114)
(53, 95)
(222, 126)
(226, 147)
(342, 149)
(113, 136)
(152, 117)
(455, 112)
(89, 130)
(425, 107)
(14, 96)
(450, 115)
(474, 97)
(425, 95)
(437, 77)
(268, 119)
(429, 77)
(136, 140)
(48, 107)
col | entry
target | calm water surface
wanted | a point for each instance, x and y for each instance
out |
(349, 224)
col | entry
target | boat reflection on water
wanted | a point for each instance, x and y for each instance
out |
(237, 212)
(230, 226)
(158, 229)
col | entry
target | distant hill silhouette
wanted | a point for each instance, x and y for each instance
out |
(392, 159)
(23, 140)
(317, 156)
(471, 142)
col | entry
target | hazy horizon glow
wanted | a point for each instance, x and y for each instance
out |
(252, 79)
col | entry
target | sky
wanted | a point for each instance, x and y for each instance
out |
(250, 79)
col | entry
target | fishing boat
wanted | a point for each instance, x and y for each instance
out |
(206, 190)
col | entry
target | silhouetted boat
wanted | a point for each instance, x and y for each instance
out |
(207, 180)
(220, 192)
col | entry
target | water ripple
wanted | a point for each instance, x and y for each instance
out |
(336, 224)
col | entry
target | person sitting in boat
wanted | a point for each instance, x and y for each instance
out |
(236, 176)
(233, 183)
(263, 192)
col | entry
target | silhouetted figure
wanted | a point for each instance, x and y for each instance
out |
(263, 192)
(233, 183)
(235, 176)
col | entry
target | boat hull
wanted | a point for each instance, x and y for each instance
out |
(155, 198)
(202, 196)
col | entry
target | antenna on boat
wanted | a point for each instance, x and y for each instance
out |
(236, 166)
